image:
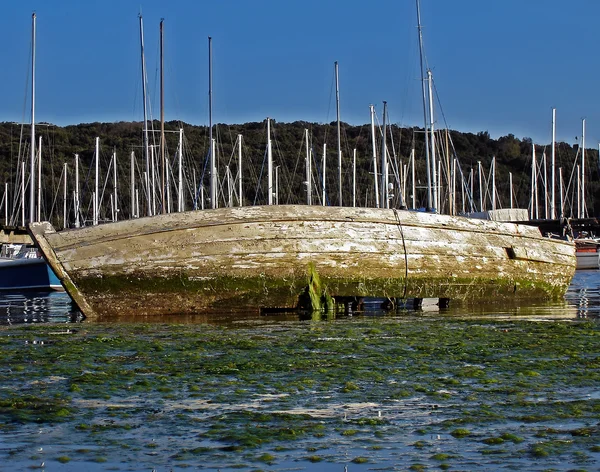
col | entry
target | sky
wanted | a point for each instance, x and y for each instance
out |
(498, 65)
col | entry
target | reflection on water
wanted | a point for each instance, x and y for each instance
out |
(581, 301)
(37, 307)
(584, 293)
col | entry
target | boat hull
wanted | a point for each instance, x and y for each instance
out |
(588, 260)
(588, 256)
(27, 274)
(264, 256)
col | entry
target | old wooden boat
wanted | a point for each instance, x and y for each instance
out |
(272, 256)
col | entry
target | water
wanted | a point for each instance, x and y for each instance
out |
(497, 387)
(37, 307)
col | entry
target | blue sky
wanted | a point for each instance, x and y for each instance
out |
(499, 65)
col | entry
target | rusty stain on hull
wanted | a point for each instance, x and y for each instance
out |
(259, 256)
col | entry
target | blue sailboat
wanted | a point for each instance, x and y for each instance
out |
(22, 268)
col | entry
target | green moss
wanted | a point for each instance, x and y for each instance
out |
(461, 433)
(493, 440)
(266, 457)
(349, 387)
(30, 408)
(417, 467)
(512, 438)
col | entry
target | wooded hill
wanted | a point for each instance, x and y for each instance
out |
(60, 144)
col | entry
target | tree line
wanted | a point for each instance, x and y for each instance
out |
(60, 144)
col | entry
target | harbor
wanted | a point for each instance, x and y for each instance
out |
(266, 238)
(431, 388)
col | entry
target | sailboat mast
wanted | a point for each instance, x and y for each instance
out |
(145, 130)
(180, 206)
(494, 183)
(434, 174)
(510, 185)
(545, 167)
(39, 180)
(132, 212)
(5, 203)
(534, 177)
(560, 192)
(427, 159)
(229, 189)
(269, 164)
(553, 167)
(384, 164)
(213, 177)
(162, 114)
(480, 172)
(582, 205)
(168, 185)
(324, 167)
(354, 178)
(339, 137)
(240, 181)
(308, 171)
(77, 191)
(32, 168)
(65, 196)
(95, 219)
(277, 185)
(115, 206)
(373, 145)
(453, 197)
(412, 176)
(23, 192)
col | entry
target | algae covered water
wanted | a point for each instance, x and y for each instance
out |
(502, 389)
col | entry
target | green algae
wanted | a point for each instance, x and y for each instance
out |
(308, 289)
(460, 433)
(262, 388)
(36, 409)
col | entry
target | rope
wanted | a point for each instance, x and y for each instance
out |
(405, 254)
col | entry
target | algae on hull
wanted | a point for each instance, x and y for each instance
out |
(178, 295)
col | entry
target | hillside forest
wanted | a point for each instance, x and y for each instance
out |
(466, 166)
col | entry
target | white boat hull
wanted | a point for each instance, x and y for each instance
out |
(588, 260)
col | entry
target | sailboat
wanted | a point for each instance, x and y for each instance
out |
(303, 257)
(22, 267)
